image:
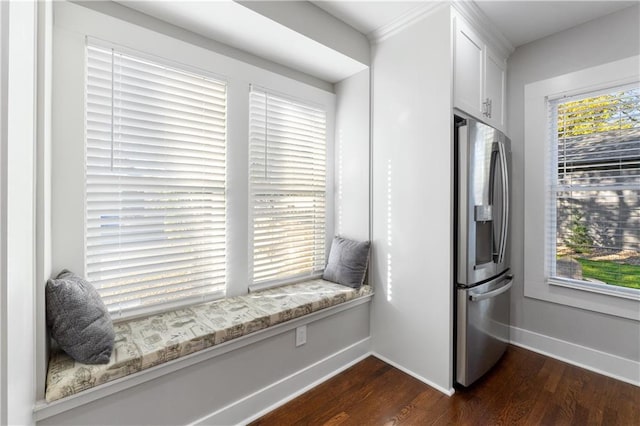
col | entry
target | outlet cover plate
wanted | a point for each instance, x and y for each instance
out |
(301, 335)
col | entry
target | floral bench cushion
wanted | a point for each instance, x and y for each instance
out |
(146, 342)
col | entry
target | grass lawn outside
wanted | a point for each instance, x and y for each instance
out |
(612, 273)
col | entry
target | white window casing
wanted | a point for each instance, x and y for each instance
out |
(155, 216)
(287, 188)
(594, 184)
(541, 182)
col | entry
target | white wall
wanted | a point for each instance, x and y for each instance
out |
(4, 51)
(20, 213)
(43, 185)
(317, 25)
(140, 19)
(600, 41)
(352, 157)
(412, 199)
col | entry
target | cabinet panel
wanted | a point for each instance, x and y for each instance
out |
(468, 58)
(479, 84)
(494, 88)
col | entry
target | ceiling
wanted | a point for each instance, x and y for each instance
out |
(233, 24)
(520, 21)
(236, 25)
(367, 16)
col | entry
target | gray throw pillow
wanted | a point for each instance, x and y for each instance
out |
(78, 319)
(347, 263)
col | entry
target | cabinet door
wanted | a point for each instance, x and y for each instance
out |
(467, 69)
(495, 88)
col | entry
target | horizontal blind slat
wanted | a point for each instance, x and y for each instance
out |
(155, 181)
(287, 187)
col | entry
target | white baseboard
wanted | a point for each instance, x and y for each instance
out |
(426, 381)
(284, 390)
(597, 361)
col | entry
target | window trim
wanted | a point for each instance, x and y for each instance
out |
(552, 162)
(129, 312)
(625, 293)
(536, 182)
(255, 286)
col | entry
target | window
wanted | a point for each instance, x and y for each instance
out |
(287, 188)
(543, 279)
(155, 182)
(594, 210)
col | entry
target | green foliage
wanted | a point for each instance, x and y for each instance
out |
(613, 273)
(579, 239)
(612, 111)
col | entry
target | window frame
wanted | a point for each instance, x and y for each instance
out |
(154, 62)
(537, 182)
(72, 26)
(253, 286)
(553, 187)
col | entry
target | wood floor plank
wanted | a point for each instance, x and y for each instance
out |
(417, 410)
(389, 404)
(555, 374)
(504, 379)
(338, 419)
(368, 404)
(540, 408)
(626, 401)
(328, 392)
(523, 394)
(525, 388)
(360, 395)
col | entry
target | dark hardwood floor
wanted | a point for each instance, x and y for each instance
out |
(525, 388)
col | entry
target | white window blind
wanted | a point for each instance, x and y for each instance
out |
(287, 188)
(594, 208)
(155, 182)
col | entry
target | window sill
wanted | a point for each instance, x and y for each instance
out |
(608, 290)
(43, 410)
(271, 284)
(577, 296)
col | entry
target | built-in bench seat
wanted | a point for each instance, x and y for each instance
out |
(146, 342)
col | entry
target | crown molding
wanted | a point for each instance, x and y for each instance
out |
(405, 20)
(481, 23)
(468, 9)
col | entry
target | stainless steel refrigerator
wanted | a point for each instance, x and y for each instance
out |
(483, 278)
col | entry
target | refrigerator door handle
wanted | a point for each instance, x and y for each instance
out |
(504, 229)
(476, 297)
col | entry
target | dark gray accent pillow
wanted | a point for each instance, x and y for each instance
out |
(348, 262)
(78, 319)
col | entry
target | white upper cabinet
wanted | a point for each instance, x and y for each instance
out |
(495, 81)
(467, 69)
(479, 79)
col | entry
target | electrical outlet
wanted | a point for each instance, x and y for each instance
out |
(301, 335)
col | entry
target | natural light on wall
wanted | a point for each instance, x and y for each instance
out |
(593, 235)
(389, 232)
(340, 181)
